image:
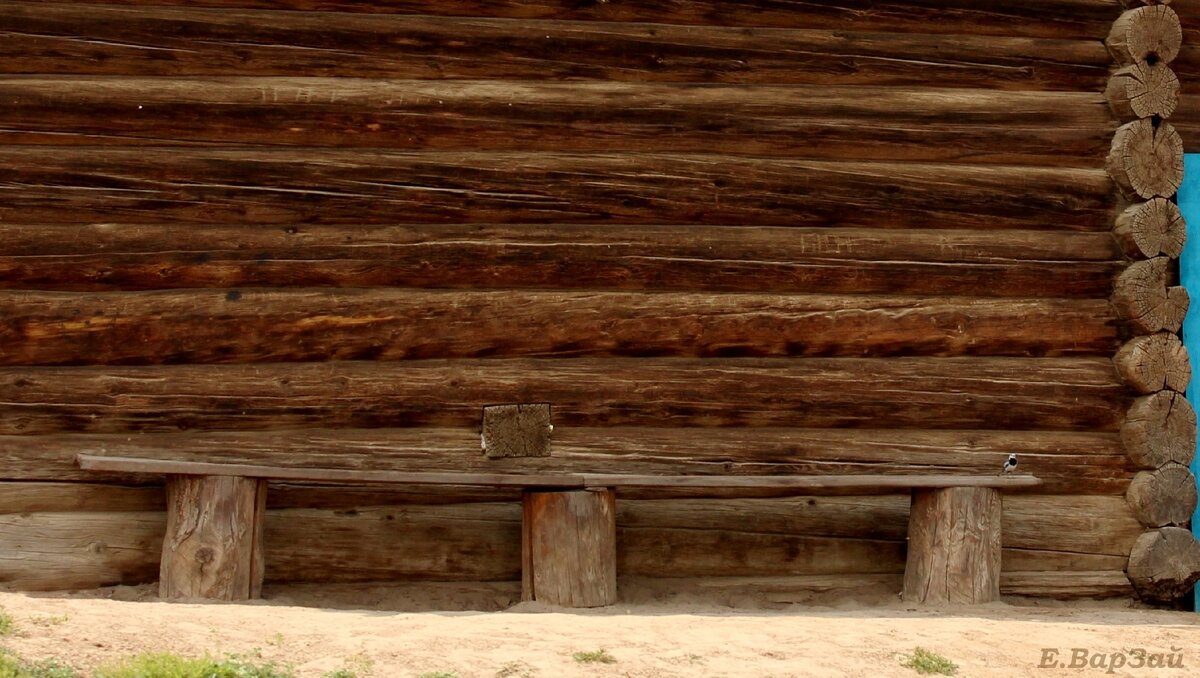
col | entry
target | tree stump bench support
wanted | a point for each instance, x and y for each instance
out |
(214, 542)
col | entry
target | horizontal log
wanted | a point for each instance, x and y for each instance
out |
(39, 497)
(719, 258)
(482, 542)
(243, 326)
(846, 123)
(1086, 462)
(1066, 585)
(929, 393)
(345, 186)
(823, 41)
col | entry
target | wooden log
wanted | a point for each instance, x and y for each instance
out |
(569, 548)
(1165, 496)
(214, 541)
(1164, 564)
(953, 547)
(1077, 463)
(452, 542)
(1144, 300)
(1154, 362)
(246, 326)
(42, 497)
(691, 258)
(1143, 90)
(839, 123)
(1146, 159)
(517, 430)
(79, 550)
(1070, 19)
(1066, 585)
(1148, 229)
(363, 542)
(1159, 429)
(928, 393)
(1150, 34)
(351, 186)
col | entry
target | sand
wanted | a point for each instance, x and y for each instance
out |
(646, 640)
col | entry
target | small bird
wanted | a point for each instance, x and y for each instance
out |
(1010, 463)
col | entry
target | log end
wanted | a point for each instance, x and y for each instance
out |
(1143, 90)
(1152, 33)
(1165, 496)
(1160, 429)
(1154, 363)
(517, 430)
(1143, 299)
(1146, 159)
(1148, 229)
(1164, 564)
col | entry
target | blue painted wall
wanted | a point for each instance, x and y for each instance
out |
(1189, 268)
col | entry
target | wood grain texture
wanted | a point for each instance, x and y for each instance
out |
(1145, 298)
(57, 497)
(521, 430)
(248, 326)
(953, 547)
(213, 546)
(481, 542)
(1164, 496)
(127, 257)
(1090, 19)
(929, 393)
(347, 186)
(1142, 90)
(1146, 159)
(840, 123)
(1160, 428)
(1146, 34)
(1164, 564)
(1082, 463)
(1154, 362)
(1147, 229)
(570, 547)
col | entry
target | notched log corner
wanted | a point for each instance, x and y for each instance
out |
(1166, 496)
(1164, 564)
(1153, 363)
(1150, 34)
(1148, 229)
(1160, 429)
(1146, 159)
(1143, 298)
(517, 430)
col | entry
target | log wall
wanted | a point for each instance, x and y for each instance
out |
(726, 237)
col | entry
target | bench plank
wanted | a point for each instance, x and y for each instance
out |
(561, 481)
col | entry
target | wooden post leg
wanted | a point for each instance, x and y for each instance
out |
(569, 548)
(953, 546)
(213, 546)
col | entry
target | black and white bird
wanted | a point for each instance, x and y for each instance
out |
(1010, 463)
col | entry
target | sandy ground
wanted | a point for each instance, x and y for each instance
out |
(646, 640)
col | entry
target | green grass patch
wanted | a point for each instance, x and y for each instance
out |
(167, 665)
(594, 657)
(12, 666)
(340, 673)
(7, 625)
(439, 674)
(925, 662)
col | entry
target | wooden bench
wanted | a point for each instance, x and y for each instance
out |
(214, 546)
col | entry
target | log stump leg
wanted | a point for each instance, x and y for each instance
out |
(953, 546)
(569, 548)
(213, 546)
